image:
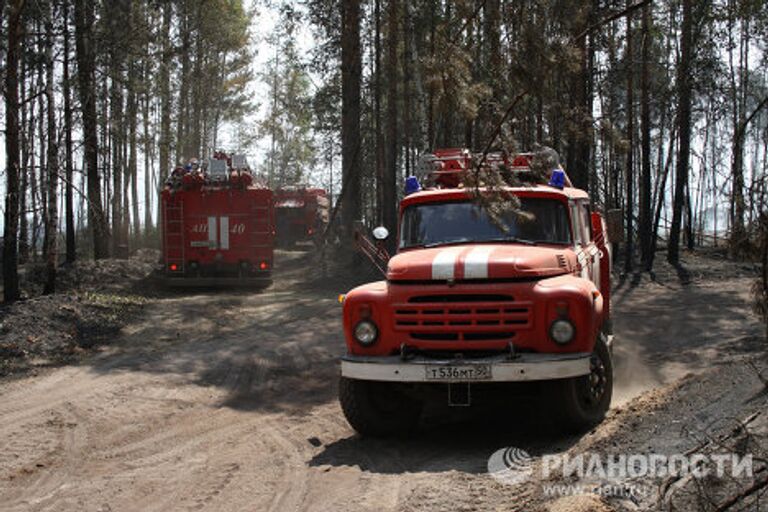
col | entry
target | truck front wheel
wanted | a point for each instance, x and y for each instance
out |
(580, 403)
(377, 409)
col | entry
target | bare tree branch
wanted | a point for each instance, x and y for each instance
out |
(613, 17)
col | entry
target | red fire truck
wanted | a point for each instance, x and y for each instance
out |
(217, 225)
(301, 214)
(476, 306)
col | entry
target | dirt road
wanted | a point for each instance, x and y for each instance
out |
(226, 401)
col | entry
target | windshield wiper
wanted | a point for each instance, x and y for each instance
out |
(449, 242)
(513, 239)
(482, 241)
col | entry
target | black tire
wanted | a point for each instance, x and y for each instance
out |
(580, 403)
(377, 409)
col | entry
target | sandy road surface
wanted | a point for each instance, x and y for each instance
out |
(226, 401)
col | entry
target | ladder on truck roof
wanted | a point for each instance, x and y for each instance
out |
(173, 239)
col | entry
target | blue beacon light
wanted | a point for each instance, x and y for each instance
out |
(557, 179)
(412, 185)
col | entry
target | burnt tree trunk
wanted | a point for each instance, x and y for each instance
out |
(407, 93)
(684, 132)
(579, 136)
(27, 155)
(390, 171)
(84, 20)
(630, 175)
(379, 135)
(133, 225)
(11, 219)
(148, 155)
(351, 70)
(117, 20)
(645, 143)
(164, 149)
(182, 120)
(52, 160)
(39, 180)
(194, 140)
(69, 211)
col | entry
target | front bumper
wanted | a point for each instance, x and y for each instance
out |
(524, 367)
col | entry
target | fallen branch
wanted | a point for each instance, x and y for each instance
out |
(745, 493)
(758, 373)
(666, 489)
(741, 426)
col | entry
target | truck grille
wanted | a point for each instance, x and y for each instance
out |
(474, 317)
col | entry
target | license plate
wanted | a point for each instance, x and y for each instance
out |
(458, 372)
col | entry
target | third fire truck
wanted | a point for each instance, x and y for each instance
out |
(301, 214)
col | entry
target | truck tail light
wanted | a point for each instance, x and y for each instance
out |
(264, 265)
(310, 231)
(173, 267)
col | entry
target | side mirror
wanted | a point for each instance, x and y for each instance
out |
(614, 221)
(381, 233)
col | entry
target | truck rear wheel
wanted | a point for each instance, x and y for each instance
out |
(377, 409)
(580, 403)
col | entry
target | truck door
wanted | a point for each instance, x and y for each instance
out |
(581, 239)
(586, 250)
(593, 250)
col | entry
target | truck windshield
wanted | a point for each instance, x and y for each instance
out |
(433, 224)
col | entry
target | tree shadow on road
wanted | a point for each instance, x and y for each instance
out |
(267, 353)
(276, 382)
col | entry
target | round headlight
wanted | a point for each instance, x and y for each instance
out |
(562, 331)
(366, 332)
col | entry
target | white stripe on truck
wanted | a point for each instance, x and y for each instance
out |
(443, 266)
(224, 235)
(476, 263)
(212, 238)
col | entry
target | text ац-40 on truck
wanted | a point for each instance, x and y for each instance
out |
(476, 303)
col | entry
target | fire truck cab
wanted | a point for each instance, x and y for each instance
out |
(474, 304)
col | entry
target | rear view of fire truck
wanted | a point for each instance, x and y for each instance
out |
(301, 214)
(217, 225)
